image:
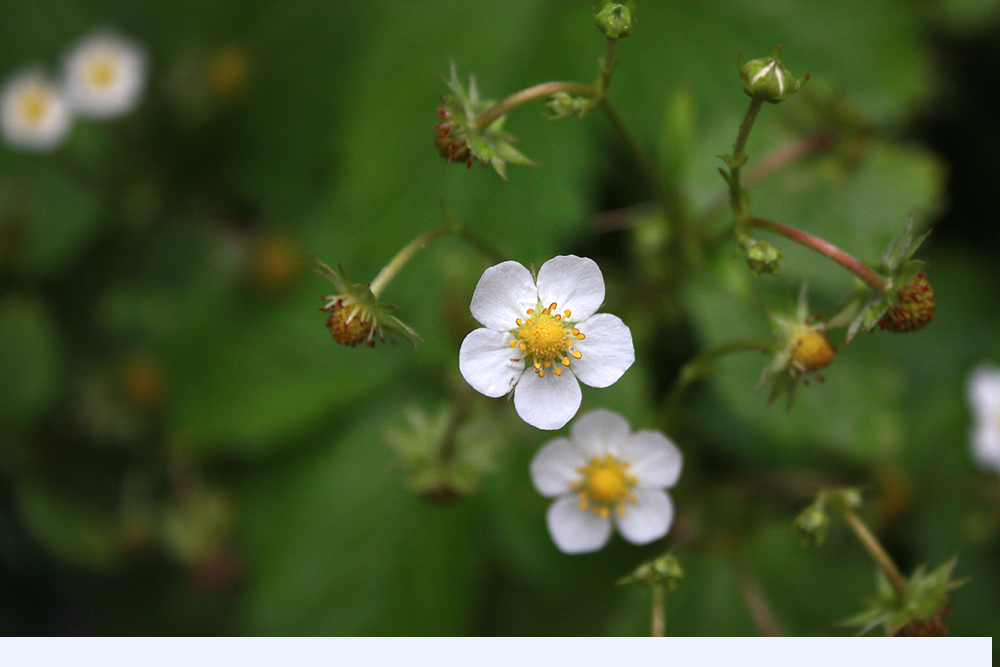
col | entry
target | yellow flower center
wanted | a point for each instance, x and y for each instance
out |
(101, 71)
(606, 485)
(812, 350)
(547, 337)
(34, 105)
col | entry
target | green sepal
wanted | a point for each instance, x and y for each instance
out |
(361, 294)
(927, 594)
(865, 306)
(491, 145)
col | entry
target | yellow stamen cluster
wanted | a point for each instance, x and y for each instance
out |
(606, 485)
(101, 72)
(546, 339)
(812, 350)
(34, 105)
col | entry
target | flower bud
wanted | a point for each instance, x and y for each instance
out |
(762, 257)
(767, 78)
(614, 20)
(813, 524)
(915, 307)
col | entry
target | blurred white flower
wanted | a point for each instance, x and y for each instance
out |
(983, 391)
(33, 113)
(604, 475)
(541, 337)
(103, 75)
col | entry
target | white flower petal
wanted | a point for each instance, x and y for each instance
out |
(503, 294)
(487, 362)
(986, 446)
(571, 282)
(648, 519)
(547, 402)
(606, 351)
(983, 389)
(599, 432)
(654, 459)
(122, 67)
(553, 470)
(576, 531)
(34, 115)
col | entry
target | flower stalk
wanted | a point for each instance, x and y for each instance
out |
(847, 261)
(521, 97)
(872, 546)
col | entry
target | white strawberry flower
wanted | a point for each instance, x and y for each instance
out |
(605, 476)
(983, 391)
(104, 75)
(543, 336)
(34, 115)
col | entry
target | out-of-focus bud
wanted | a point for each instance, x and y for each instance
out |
(767, 79)
(813, 524)
(664, 571)
(762, 257)
(615, 20)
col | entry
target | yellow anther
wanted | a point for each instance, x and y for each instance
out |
(557, 371)
(524, 348)
(547, 364)
(513, 343)
(579, 336)
(531, 311)
(576, 354)
(565, 361)
(520, 322)
(552, 306)
(558, 317)
(538, 366)
(576, 332)
(541, 373)
(567, 313)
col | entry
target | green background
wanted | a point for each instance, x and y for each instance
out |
(183, 449)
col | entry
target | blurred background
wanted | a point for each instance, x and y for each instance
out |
(184, 450)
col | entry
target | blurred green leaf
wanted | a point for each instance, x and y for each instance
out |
(31, 359)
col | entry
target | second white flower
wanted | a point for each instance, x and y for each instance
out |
(540, 337)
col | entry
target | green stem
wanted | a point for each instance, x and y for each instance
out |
(504, 106)
(871, 278)
(658, 622)
(390, 270)
(607, 66)
(736, 159)
(872, 545)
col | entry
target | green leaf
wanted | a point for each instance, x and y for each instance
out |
(31, 359)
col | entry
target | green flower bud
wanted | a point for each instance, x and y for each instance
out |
(762, 257)
(664, 571)
(614, 20)
(563, 105)
(813, 524)
(767, 78)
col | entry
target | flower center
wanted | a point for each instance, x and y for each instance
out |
(546, 337)
(101, 72)
(606, 485)
(348, 325)
(34, 105)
